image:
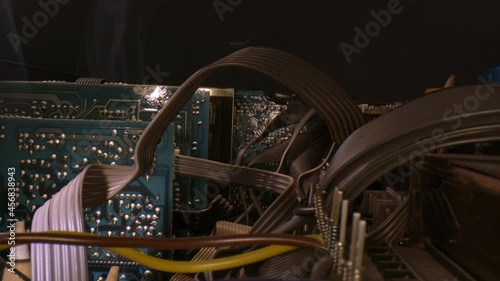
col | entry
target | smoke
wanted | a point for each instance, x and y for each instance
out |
(11, 62)
(115, 39)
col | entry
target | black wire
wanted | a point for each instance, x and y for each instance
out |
(304, 211)
(37, 67)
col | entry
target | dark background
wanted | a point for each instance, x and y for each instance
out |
(120, 40)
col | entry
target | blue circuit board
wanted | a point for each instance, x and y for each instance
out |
(49, 132)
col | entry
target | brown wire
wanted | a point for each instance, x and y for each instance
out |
(256, 202)
(245, 204)
(162, 243)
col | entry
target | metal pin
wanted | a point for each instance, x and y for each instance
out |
(355, 222)
(360, 245)
(343, 221)
(337, 202)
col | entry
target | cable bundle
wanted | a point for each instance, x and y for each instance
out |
(62, 212)
(408, 133)
(98, 183)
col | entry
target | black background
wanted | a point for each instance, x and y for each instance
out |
(119, 40)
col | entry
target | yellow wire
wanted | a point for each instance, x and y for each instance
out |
(201, 266)
(206, 265)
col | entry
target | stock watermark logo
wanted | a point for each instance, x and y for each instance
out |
(372, 29)
(156, 74)
(455, 114)
(469, 104)
(31, 26)
(223, 6)
(11, 198)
